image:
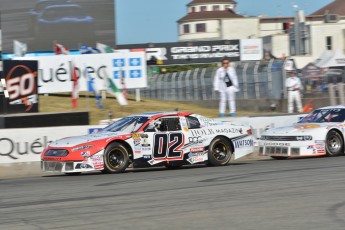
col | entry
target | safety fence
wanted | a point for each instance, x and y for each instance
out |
(257, 80)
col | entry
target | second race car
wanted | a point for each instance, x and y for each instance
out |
(170, 139)
(318, 134)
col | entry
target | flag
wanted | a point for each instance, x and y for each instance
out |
(91, 88)
(19, 48)
(75, 89)
(88, 50)
(60, 49)
(103, 48)
(112, 89)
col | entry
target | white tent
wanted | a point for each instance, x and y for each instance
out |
(337, 60)
(324, 58)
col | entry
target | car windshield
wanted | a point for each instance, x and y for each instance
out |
(325, 115)
(127, 124)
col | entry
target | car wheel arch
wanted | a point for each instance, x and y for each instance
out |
(336, 130)
(229, 139)
(125, 144)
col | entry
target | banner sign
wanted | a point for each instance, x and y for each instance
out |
(21, 84)
(26, 145)
(198, 52)
(55, 72)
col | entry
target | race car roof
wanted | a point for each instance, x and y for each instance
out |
(334, 107)
(163, 113)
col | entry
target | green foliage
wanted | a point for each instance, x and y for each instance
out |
(179, 68)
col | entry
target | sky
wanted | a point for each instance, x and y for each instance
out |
(146, 21)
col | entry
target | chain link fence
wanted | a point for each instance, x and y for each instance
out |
(257, 80)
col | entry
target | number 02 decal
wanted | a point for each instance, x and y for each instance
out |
(168, 145)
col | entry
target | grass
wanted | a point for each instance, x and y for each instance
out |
(64, 104)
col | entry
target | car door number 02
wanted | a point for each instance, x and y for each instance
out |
(168, 145)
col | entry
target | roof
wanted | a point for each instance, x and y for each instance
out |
(163, 113)
(205, 15)
(334, 107)
(335, 7)
(198, 2)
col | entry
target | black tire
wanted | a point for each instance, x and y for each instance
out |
(334, 144)
(116, 158)
(73, 174)
(219, 152)
(279, 158)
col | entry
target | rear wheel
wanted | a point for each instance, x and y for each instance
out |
(116, 158)
(219, 152)
(334, 144)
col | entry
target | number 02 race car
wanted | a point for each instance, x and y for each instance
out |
(170, 139)
(319, 133)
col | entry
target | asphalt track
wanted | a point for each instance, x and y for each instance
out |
(263, 194)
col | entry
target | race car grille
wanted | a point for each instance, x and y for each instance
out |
(56, 153)
(286, 138)
(53, 166)
(276, 150)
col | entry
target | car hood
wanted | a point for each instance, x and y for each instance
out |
(298, 128)
(78, 140)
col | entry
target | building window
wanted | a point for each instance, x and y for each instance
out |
(203, 8)
(229, 7)
(186, 29)
(329, 43)
(216, 8)
(193, 9)
(201, 27)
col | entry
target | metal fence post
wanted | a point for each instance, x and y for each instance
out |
(212, 77)
(195, 84)
(188, 94)
(269, 77)
(203, 86)
(173, 86)
(180, 86)
(331, 90)
(245, 82)
(256, 79)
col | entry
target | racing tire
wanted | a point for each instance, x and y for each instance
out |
(334, 144)
(219, 152)
(279, 158)
(116, 158)
(73, 174)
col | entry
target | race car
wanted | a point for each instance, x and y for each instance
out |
(170, 139)
(318, 134)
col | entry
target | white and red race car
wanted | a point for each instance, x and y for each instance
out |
(170, 139)
(320, 133)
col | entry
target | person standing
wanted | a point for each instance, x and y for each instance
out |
(226, 83)
(294, 88)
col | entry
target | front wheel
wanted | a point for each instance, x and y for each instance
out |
(334, 144)
(116, 158)
(219, 152)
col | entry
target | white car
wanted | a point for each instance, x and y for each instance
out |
(170, 139)
(318, 134)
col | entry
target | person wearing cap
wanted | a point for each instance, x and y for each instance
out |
(294, 86)
(226, 83)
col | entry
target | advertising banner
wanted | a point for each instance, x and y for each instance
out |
(185, 53)
(198, 52)
(125, 69)
(26, 145)
(21, 84)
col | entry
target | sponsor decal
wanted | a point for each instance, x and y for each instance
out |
(276, 144)
(148, 157)
(146, 148)
(153, 161)
(137, 152)
(81, 148)
(243, 143)
(85, 154)
(145, 145)
(94, 130)
(197, 157)
(309, 126)
(83, 166)
(136, 143)
(195, 140)
(143, 135)
(98, 165)
(136, 136)
(52, 158)
(202, 132)
(198, 149)
(137, 147)
(310, 147)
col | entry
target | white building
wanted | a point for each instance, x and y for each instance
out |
(218, 20)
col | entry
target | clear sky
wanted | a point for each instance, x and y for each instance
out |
(145, 21)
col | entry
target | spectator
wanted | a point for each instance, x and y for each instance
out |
(294, 86)
(226, 83)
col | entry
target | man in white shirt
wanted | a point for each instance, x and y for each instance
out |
(226, 82)
(294, 86)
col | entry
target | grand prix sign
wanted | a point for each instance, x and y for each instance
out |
(21, 85)
(194, 52)
(125, 69)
